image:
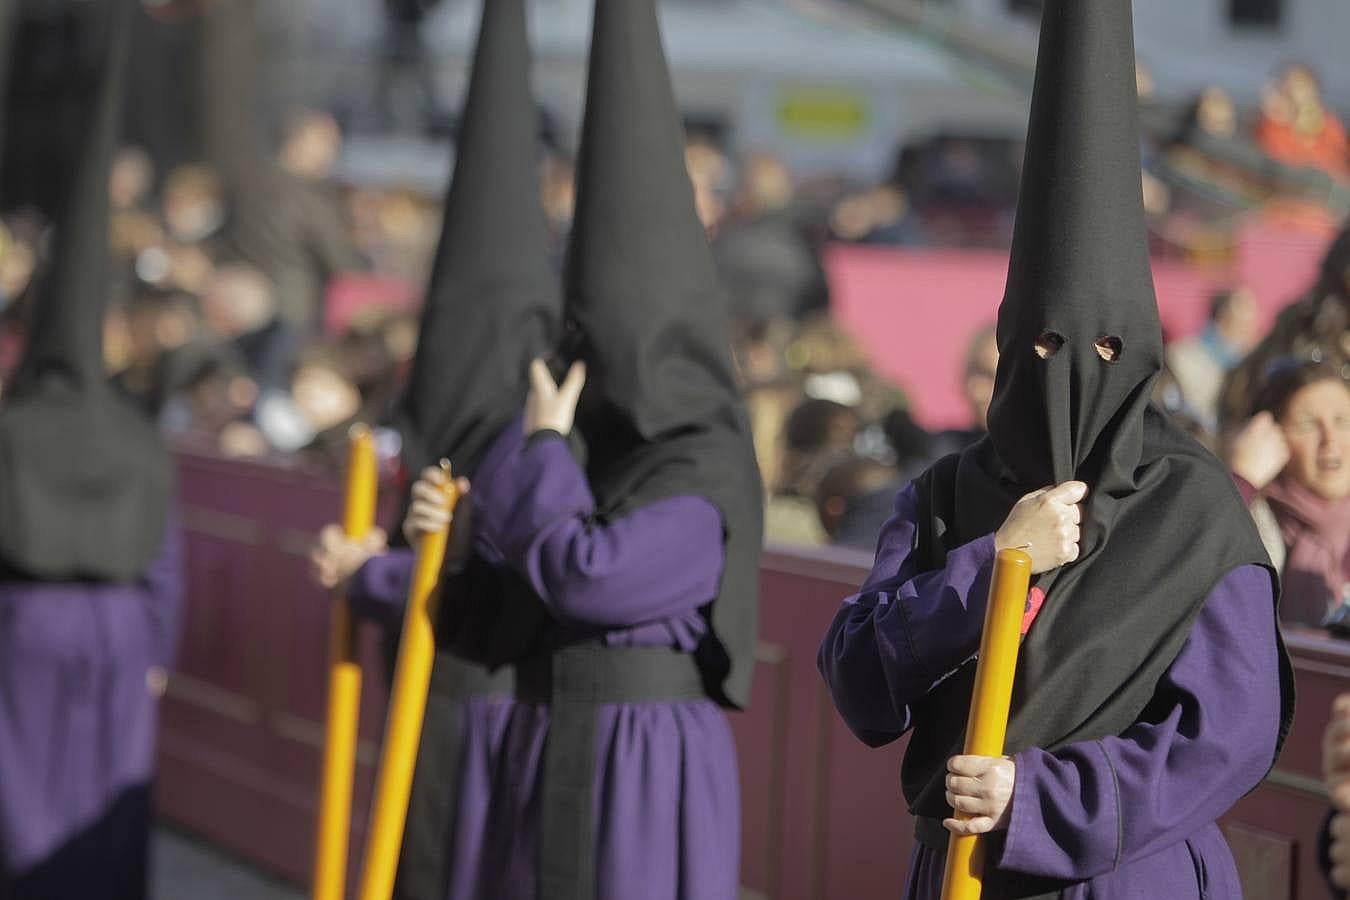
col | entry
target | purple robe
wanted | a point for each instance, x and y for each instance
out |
(78, 718)
(380, 590)
(666, 795)
(1127, 816)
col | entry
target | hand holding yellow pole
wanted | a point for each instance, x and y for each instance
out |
(407, 707)
(988, 722)
(344, 687)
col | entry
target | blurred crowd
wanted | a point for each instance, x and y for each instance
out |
(275, 359)
(1209, 161)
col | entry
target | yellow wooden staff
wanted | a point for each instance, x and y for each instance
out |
(988, 722)
(407, 707)
(344, 687)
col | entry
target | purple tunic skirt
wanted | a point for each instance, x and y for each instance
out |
(656, 780)
(78, 716)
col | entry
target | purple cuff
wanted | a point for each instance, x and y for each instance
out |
(891, 644)
(1051, 831)
(380, 587)
(945, 625)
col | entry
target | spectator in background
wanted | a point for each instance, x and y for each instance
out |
(817, 431)
(1333, 852)
(307, 160)
(558, 194)
(159, 324)
(770, 387)
(193, 214)
(377, 352)
(854, 499)
(133, 226)
(1200, 364)
(880, 215)
(19, 240)
(894, 221)
(768, 266)
(958, 176)
(193, 206)
(1154, 121)
(977, 386)
(910, 447)
(311, 145)
(831, 365)
(21, 237)
(273, 221)
(1213, 115)
(1167, 396)
(330, 403)
(241, 309)
(1316, 327)
(1296, 127)
(709, 172)
(209, 404)
(1292, 464)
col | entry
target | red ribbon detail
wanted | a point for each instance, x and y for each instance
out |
(1035, 599)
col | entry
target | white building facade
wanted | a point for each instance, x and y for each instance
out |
(1191, 44)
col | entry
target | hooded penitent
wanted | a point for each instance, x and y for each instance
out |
(84, 479)
(493, 303)
(661, 414)
(492, 306)
(272, 222)
(1162, 524)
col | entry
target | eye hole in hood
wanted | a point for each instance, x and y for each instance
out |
(1048, 344)
(1109, 347)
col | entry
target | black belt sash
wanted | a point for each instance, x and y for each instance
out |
(575, 682)
(931, 834)
(423, 864)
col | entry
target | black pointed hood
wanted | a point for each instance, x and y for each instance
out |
(640, 281)
(1079, 268)
(84, 479)
(661, 414)
(493, 303)
(8, 23)
(492, 306)
(1162, 524)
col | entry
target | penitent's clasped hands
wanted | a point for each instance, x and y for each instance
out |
(1044, 524)
(549, 406)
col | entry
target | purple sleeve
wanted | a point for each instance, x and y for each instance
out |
(380, 587)
(892, 643)
(166, 582)
(1092, 806)
(533, 504)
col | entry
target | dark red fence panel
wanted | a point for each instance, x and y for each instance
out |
(243, 722)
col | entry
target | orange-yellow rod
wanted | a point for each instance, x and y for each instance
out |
(987, 724)
(344, 687)
(407, 707)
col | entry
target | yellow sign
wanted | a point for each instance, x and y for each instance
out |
(822, 113)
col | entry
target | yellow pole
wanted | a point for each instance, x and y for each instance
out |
(407, 706)
(344, 687)
(988, 722)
